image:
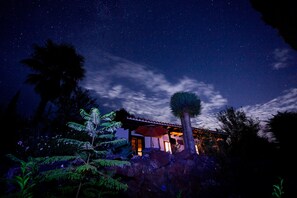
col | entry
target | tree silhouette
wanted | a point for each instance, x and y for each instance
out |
(57, 69)
(11, 122)
(242, 130)
(67, 108)
(251, 158)
(186, 105)
(280, 14)
(283, 126)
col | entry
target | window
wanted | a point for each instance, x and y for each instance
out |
(167, 147)
(197, 151)
(137, 144)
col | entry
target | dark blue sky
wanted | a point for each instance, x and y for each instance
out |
(138, 53)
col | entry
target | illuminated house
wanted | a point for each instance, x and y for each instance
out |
(166, 136)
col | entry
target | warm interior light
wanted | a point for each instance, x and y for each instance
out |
(197, 151)
(167, 147)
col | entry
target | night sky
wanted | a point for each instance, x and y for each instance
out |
(138, 53)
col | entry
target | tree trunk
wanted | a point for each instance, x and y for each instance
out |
(185, 136)
(188, 133)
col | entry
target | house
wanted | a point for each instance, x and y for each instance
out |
(170, 139)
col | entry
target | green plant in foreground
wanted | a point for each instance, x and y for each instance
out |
(25, 180)
(179, 195)
(278, 189)
(84, 170)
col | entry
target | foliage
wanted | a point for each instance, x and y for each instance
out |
(242, 132)
(278, 189)
(210, 145)
(185, 102)
(283, 126)
(83, 169)
(79, 164)
(236, 124)
(57, 69)
(179, 194)
(66, 108)
(25, 180)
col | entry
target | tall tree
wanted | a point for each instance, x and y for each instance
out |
(57, 70)
(186, 105)
(283, 126)
(242, 130)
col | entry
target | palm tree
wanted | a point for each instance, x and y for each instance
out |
(186, 105)
(57, 71)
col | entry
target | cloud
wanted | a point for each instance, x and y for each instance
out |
(146, 92)
(282, 58)
(285, 102)
(263, 112)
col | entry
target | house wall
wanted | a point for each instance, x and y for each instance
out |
(152, 142)
(149, 142)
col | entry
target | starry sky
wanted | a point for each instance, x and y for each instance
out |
(138, 53)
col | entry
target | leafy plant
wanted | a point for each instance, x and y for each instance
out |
(278, 189)
(25, 179)
(179, 195)
(84, 171)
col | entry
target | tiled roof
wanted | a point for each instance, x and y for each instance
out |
(153, 122)
(171, 125)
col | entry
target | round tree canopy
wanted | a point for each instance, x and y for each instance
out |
(185, 102)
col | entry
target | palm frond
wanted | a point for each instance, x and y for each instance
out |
(33, 64)
(34, 79)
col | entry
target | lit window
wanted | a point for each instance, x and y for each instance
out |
(167, 147)
(137, 145)
(197, 151)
